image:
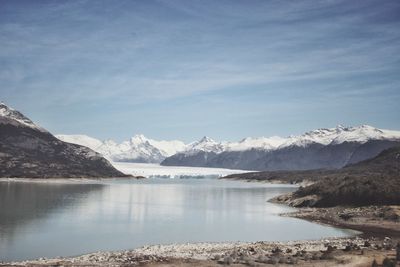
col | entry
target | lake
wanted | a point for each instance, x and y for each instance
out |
(46, 219)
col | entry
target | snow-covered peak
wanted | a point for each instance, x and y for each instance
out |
(364, 133)
(205, 144)
(206, 139)
(267, 143)
(341, 134)
(138, 139)
(17, 117)
(110, 142)
(168, 148)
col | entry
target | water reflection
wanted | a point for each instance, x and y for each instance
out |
(39, 220)
(22, 203)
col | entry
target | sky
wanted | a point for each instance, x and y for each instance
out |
(182, 69)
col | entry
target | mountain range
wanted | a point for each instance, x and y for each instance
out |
(138, 149)
(28, 150)
(322, 148)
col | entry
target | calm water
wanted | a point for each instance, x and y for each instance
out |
(65, 219)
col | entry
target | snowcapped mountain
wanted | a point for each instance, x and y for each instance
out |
(242, 154)
(137, 149)
(323, 136)
(28, 150)
(206, 144)
(321, 148)
(265, 143)
(341, 134)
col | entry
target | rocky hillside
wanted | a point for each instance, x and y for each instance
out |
(27, 150)
(371, 182)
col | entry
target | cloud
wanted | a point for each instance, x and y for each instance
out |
(135, 53)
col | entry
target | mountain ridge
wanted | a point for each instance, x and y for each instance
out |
(322, 148)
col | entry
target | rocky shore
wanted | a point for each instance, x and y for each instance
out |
(355, 251)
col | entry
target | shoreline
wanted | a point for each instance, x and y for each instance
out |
(68, 180)
(328, 251)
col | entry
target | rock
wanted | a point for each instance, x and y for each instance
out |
(263, 259)
(347, 248)
(276, 250)
(291, 260)
(273, 260)
(282, 260)
(316, 256)
(327, 255)
(398, 252)
(388, 263)
(244, 258)
(228, 260)
(251, 263)
(330, 248)
(307, 256)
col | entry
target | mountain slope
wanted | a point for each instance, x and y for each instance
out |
(322, 148)
(27, 150)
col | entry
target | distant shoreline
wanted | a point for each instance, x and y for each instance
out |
(67, 180)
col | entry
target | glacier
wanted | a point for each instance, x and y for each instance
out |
(149, 170)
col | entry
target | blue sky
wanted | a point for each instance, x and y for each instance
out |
(184, 69)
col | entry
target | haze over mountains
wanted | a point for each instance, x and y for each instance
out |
(321, 148)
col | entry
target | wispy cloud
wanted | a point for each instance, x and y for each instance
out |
(136, 53)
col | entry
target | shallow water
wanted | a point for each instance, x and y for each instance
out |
(67, 219)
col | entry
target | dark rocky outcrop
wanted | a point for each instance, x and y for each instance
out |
(27, 150)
